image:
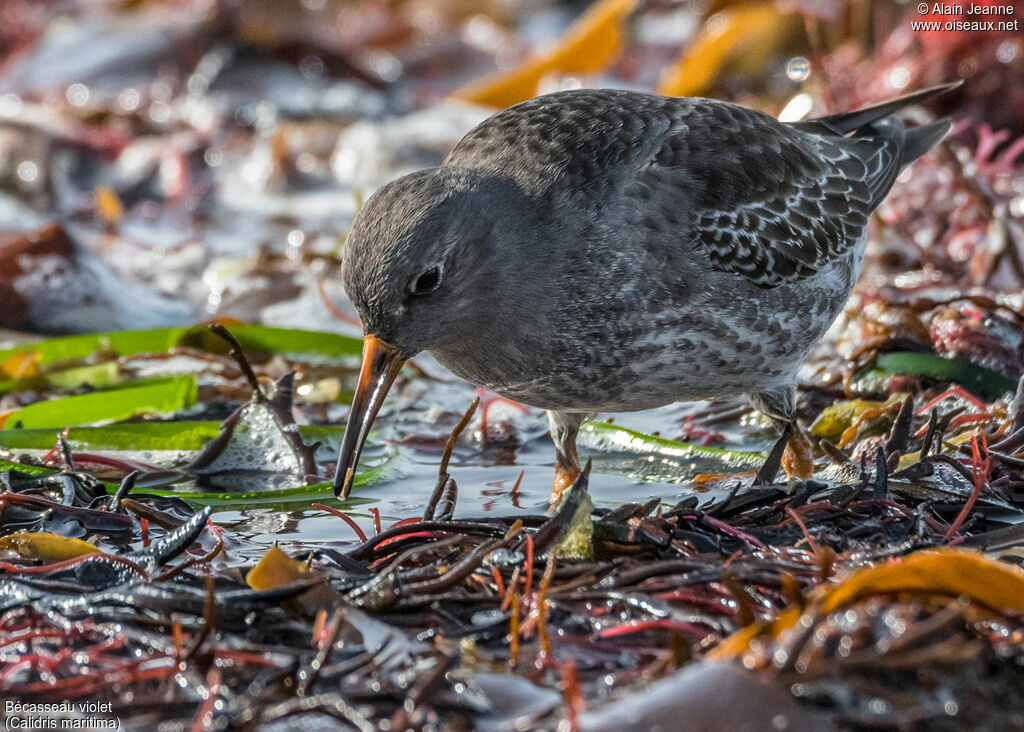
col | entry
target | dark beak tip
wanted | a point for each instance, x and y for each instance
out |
(343, 486)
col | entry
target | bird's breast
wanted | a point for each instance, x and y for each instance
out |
(637, 348)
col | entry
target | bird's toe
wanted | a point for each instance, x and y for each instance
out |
(565, 476)
(798, 457)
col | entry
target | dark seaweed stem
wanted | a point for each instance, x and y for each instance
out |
(66, 457)
(101, 657)
(331, 704)
(413, 712)
(388, 588)
(209, 620)
(344, 517)
(194, 561)
(76, 563)
(153, 515)
(93, 518)
(899, 438)
(308, 676)
(981, 466)
(237, 353)
(670, 584)
(767, 472)
(123, 489)
(280, 405)
(442, 472)
(462, 527)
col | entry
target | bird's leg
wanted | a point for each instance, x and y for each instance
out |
(794, 449)
(564, 428)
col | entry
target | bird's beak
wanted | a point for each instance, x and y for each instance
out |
(381, 364)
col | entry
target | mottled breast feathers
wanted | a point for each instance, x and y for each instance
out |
(771, 202)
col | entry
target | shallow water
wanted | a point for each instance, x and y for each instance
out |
(231, 175)
(416, 426)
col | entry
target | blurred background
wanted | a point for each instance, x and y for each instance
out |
(168, 161)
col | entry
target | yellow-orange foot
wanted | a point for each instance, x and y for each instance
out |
(565, 476)
(798, 457)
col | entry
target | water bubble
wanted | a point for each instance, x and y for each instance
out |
(198, 84)
(312, 66)
(717, 24)
(77, 94)
(128, 100)
(798, 68)
(162, 89)
(968, 67)
(1007, 51)
(10, 105)
(305, 162)
(1017, 207)
(159, 112)
(28, 171)
(265, 116)
(845, 646)
(384, 64)
(213, 157)
(898, 77)
(480, 30)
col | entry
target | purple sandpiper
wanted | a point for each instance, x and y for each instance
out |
(605, 251)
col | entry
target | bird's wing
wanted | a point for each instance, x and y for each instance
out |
(771, 202)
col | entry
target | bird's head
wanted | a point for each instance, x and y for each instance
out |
(419, 267)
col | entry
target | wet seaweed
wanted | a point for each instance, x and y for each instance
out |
(883, 593)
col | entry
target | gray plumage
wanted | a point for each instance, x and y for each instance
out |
(603, 251)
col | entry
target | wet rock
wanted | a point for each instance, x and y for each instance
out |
(709, 696)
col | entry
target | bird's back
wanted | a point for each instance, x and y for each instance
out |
(707, 238)
(767, 201)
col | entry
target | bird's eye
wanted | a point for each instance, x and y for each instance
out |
(425, 283)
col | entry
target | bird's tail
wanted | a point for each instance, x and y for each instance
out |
(880, 138)
(846, 122)
(871, 120)
(919, 140)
